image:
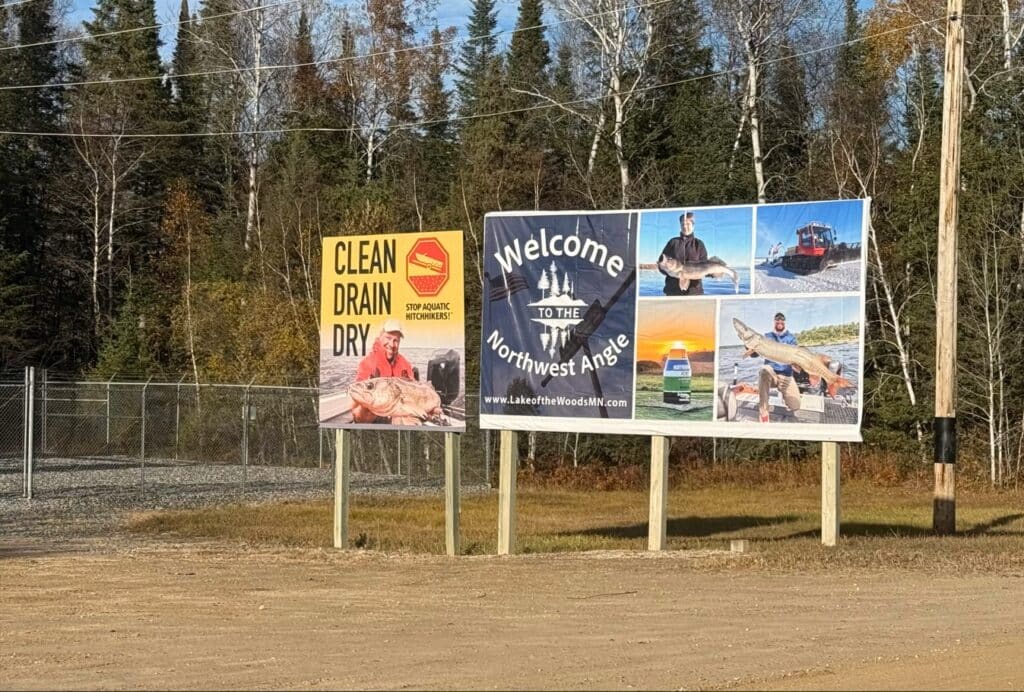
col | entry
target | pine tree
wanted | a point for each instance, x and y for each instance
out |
(436, 148)
(787, 121)
(529, 54)
(681, 140)
(565, 134)
(476, 55)
(29, 214)
(188, 156)
(307, 89)
(528, 59)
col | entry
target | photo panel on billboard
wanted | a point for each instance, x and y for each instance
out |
(810, 247)
(695, 251)
(675, 359)
(785, 361)
(588, 328)
(559, 316)
(392, 337)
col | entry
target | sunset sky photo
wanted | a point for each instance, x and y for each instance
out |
(662, 324)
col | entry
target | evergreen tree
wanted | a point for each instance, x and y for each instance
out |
(529, 54)
(528, 59)
(476, 56)
(787, 121)
(436, 150)
(188, 159)
(221, 98)
(682, 139)
(565, 134)
(29, 215)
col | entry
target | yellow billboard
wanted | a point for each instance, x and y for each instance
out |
(392, 326)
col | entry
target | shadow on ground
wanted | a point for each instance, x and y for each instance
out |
(891, 530)
(687, 527)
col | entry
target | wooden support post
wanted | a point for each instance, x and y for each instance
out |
(657, 523)
(452, 481)
(829, 493)
(944, 502)
(342, 458)
(507, 469)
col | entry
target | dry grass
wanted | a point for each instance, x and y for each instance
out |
(882, 527)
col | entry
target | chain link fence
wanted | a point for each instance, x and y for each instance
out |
(181, 438)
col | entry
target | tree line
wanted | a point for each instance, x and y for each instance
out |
(165, 217)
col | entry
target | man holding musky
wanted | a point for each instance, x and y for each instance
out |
(685, 248)
(383, 360)
(778, 375)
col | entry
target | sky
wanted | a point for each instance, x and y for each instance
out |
(663, 323)
(801, 314)
(725, 231)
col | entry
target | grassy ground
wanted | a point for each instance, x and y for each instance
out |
(882, 527)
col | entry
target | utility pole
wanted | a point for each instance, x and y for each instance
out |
(944, 503)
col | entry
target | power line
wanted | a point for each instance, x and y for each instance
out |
(476, 116)
(325, 61)
(85, 37)
(118, 32)
(16, 2)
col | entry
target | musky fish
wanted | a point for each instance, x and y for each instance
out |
(695, 271)
(404, 401)
(814, 364)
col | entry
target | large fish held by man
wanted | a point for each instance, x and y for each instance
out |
(814, 364)
(695, 271)
(403, 401)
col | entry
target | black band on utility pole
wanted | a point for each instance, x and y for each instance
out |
(945, 440)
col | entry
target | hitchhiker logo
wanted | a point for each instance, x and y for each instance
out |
(558, 310)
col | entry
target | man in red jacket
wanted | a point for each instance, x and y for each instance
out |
(383, 360)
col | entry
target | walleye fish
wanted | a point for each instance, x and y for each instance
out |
(695, 271)
(404, 401)
(814, 364)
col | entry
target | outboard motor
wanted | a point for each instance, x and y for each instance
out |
(443, 373)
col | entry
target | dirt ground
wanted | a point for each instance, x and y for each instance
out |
(212, 616)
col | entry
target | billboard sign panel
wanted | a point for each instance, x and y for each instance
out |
(738, 321)
(392, 326)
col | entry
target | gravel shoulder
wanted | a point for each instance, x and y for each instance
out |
(84, 499)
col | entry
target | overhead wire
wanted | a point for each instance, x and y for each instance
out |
(324, 61)
(136, 29)
(475, 116)
(15, 3)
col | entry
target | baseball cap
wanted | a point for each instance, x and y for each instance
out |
(778, 316)
(393, 326)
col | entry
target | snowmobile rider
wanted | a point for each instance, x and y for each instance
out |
(778, 375)
(383, 360)
(685, 248)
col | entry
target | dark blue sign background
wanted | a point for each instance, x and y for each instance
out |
(605, 304)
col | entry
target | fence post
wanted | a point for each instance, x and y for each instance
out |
(177, 415)
(24, 434)
(108, 411)
(42, 420)
(245, 434)
(29, 440)
(142, 437)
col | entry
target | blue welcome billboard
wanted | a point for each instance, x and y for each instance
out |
(737, 321)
